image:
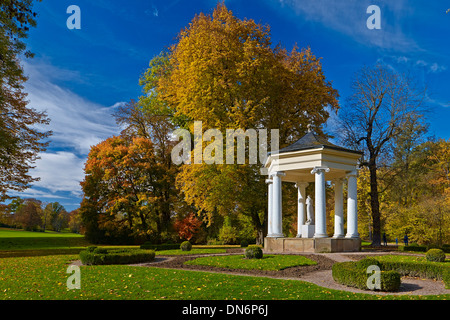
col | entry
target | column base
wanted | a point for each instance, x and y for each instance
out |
(338, 236)
(275, 235)
(320, 235)
(319, 245)
(352, 236)
(298, 235)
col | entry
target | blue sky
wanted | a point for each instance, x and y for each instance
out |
(80, 76)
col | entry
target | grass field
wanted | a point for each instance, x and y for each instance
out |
(415, 258)
(45, 278)
(30, 269)
(11, 239)
(17, 233)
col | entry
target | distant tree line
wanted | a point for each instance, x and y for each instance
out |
(34, 215)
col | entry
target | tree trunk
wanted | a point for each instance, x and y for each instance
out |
(375, 205)
(260, 227)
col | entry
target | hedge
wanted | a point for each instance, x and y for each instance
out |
(354, 274)
(428, 270)
(160, 247)
(418, 248)
(103, 256)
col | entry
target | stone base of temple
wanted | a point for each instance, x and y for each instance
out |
(318, 245)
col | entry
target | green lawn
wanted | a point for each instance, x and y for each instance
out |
(29, 269)
(11, 239)
(16, 233)
(45, 278)
(268, 262)
(406, 258)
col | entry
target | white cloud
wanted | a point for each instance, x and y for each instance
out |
(435, 68)
(349, 17)
(76, 122)
(413, 62)
(35, 194)
(59, 171)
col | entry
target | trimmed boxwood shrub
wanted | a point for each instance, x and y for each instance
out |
(253, 252)
(366, 262)
(100, 251)
(103, 256)
(354, 274)
(435, 255)
(159, 247)
(425, 269)
(417, 248)
(186, 246)
(446, 278)
(416, 269)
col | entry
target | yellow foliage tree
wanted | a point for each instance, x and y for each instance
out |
(225, 72)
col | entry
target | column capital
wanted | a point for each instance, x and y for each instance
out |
(277, 173)
(318, 169)
(301, 184)
(353, 173)
(269, 181)
(338, 180)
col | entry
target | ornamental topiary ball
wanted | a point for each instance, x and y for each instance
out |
(186, 246)
(435, 255)
(253, 252)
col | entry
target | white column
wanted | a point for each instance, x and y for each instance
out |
(338, 208)
(301, 186)
(270, 210)
(277, 227)
(320, 202)
(352, 206)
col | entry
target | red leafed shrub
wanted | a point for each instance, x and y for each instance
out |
(188, 226)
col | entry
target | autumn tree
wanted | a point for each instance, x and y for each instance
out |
(150, 119)
(56, 215)
(406, 171)
(6, 218)
(75, 223)
(225, 72)
(28, 216)
(382, 105)
(437, 161)
(20, 140)
(123, 190)
(188, 226)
